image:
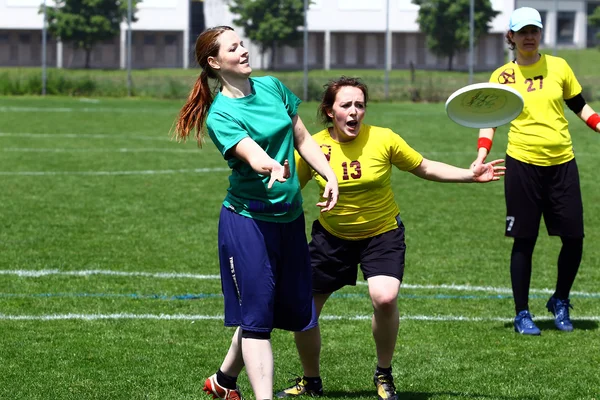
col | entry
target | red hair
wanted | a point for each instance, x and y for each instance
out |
(194, 112)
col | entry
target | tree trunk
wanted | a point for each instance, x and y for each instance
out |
(273, 55)
(88, 56)
(450, 57)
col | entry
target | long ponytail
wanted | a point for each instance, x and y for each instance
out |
(194, 112)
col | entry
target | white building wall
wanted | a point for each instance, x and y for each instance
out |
(216, 13)
(370, 15)
(21, 14)
(550, 27)
(324, 16)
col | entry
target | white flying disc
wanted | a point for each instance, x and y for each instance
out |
(484, 105)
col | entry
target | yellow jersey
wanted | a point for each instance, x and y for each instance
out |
(540, 134)
(363, 166)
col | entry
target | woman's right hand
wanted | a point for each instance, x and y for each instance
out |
(278, 172)
(330, 194)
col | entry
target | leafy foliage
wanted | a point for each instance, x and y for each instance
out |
(446, 24)
(270, 22)
(87, 22)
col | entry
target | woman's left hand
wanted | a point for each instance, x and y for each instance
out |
(330, 195)
(488, 172)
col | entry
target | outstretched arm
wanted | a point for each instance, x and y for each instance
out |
(589, 116)
(310, 151)
(441, 172)
(251, 153)
(484, 145)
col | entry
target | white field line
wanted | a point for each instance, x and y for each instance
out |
(171, 275)
(47, 272)
(88, 110)
(111, 173)
(136, 110)
(195, 317)
(164, 138)
(115, 150)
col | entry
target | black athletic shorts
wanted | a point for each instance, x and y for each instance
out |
(335, 261)
(552, 191)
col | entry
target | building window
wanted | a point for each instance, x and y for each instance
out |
(24, 38)
(170, 40)
(3, 37)
(149, 40)
(565, 27)
(543, 14)
(592, 31)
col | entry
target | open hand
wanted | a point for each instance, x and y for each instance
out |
(279, 173)
(487, 172)
(330, 194)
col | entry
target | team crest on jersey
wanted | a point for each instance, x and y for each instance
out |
(326, 150)
(507, 76)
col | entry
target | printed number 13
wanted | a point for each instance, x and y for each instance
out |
(530, 88)
(354, 175)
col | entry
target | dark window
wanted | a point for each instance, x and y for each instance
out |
(593, 32)
(3, 37)
(565, 27)
(24, 38)
(149, 40)
(543, 14)
(170, 40)
(196, 19)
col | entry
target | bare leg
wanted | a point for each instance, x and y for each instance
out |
(308, 342)
(258, 357)
(233, 362)
(386, 318)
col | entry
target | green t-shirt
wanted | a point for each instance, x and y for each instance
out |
(265, 116)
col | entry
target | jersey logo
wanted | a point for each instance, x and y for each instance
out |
(507, 76)
(327, 151)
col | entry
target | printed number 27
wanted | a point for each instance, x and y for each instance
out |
(530, 88)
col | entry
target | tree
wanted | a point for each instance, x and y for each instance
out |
(594, 20)
(87, 22)
(270, 22)
(446, 24)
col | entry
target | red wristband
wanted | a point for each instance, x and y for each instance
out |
(593, 121)
(484, 142)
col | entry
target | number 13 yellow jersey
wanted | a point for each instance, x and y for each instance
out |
(363, 166)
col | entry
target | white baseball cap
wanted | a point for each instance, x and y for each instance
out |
(524, 16)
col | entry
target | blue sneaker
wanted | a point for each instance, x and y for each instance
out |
(560, 310)
(524, 324)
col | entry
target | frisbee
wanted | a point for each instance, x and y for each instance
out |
(484, 105)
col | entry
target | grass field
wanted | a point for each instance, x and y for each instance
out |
(423, 86)
(108, 267)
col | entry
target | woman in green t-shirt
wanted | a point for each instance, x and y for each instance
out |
(263, 251)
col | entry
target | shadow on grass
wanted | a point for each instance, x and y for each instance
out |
(577, 325)
(423, 395)
(584, 325)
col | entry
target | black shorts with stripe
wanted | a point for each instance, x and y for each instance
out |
(533, 191)
(335, 261)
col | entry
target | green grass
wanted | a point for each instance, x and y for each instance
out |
(69, 218)
(432, 86)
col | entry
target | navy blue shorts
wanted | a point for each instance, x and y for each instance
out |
(533, 191)
(265, 273)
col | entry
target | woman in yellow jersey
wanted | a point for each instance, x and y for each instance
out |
(364, 228)
(541, 172)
